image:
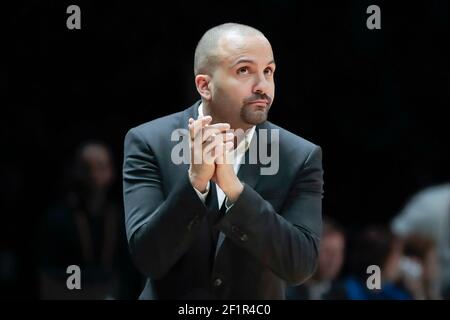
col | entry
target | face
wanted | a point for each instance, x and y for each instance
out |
(99, 166)
(331, 255)
(242, 84)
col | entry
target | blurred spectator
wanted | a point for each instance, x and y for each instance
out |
(322, 285)
(428, 214)
(420, 268)
(375, 246)
(84, 230)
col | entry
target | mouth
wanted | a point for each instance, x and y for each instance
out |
(261, 104)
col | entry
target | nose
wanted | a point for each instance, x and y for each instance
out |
(262, 85)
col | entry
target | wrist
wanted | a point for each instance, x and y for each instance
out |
(234, 191)
(197, 183)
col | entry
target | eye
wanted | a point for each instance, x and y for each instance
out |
(243, 70)
(268, 71)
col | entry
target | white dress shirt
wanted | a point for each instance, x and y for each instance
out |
(240, 152)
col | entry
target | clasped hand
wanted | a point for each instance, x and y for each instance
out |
(210, 151)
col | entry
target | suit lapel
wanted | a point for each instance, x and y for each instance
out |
(191, 112)
(249, 173)
(182, 127)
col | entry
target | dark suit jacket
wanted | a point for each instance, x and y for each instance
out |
(272, 230)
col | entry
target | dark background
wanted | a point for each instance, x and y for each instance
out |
(375, 100)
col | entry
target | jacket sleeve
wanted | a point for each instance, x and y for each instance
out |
(287, 242)
(159, 227)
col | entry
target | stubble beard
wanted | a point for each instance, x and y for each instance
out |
(254, 117)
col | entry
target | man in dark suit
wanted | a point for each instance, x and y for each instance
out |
(214, 228)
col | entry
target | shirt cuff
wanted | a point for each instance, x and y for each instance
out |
(202, 196)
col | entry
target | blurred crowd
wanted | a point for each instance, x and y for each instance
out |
(85, 228)
(411, 256)
(407, 259)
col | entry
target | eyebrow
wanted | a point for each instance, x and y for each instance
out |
(244, 60)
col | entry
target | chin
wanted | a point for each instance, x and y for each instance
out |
(256, 117)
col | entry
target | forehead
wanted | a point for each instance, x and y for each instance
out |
(233, 46)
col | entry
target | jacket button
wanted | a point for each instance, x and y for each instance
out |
(217, 282)
(234, 229)
(244, 237)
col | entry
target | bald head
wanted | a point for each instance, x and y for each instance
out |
(207, 53)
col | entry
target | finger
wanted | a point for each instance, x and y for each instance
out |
(221, 126)
(205, 119)
(229, 146)
(228, 137)
(208, 131)
(214, 130)
(216, 148)
(219, 150)
(225, 157)
(228, 155)
(195, 126)
(210, 145)
(200, 121)
(223, 137)
(211, 151)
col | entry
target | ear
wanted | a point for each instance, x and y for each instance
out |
(203, 84)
